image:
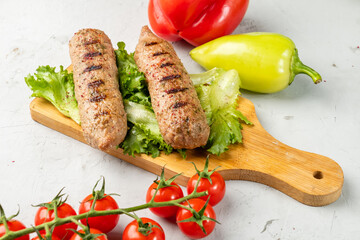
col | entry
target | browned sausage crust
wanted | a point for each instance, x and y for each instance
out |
(102, 114)
(181, 119)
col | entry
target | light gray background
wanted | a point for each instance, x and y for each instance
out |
(35, 162)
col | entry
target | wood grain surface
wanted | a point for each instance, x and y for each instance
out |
(310, 178)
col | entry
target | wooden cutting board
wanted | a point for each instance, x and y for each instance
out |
(310, 178)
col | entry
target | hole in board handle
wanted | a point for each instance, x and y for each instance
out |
(318, 175)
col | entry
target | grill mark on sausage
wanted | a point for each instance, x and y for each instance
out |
(91, 42)
(98, 98)
(95, 84)
(103, 113)
(170, 77)
(159, 53)
(166, 64)
(92, 54)
(179, 104)
(91, 68)
(175, 90)
(151, 43)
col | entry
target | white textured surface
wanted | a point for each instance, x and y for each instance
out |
(35, 162)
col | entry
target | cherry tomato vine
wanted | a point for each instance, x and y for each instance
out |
(47, 228)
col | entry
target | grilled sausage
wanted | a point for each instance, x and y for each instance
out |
(181, 119)
(102, 114)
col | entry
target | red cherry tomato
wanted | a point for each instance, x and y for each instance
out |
(53, 237)
(14, 225)
(195, 21)
(164, 194)
(131, 231)
(64, 210)
(216, 190)
(192, 229)
(103, 223)
(76, 236)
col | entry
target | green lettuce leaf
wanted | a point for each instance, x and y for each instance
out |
(218, 91)
(132, 81)
(144, 135)
(56, 87)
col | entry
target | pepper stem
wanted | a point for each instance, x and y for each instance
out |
(298, 67)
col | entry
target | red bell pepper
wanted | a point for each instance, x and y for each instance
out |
(195, 21)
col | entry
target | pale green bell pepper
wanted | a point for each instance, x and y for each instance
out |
(266, 62)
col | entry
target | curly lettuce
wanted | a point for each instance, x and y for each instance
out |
(132, 82)
(57, 88)
(144, 134)
(218, 91)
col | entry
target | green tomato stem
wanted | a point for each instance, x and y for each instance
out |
(298, 67)
(76, 222)
(47, 232)
(55, 211)
(94, 201)
(195, 214)
(3, 219)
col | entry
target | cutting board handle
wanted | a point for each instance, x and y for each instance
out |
(310, 178)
